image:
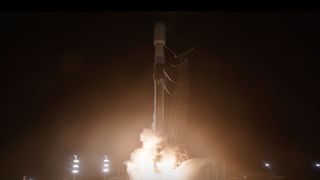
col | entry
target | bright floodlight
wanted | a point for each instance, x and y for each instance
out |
(267, 165)
(76, 160)
(317, 165)
(75, 166)
(75, 171)
(106, 159)
(105, 168)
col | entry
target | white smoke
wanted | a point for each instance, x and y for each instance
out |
(156, 160)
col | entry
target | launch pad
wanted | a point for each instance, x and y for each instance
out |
(163, 154)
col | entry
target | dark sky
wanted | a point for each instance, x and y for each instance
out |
(81, 83)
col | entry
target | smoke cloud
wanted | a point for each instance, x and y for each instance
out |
(156, 160)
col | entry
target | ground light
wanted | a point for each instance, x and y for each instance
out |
(75, 166)
(267, 165)
(105, 167)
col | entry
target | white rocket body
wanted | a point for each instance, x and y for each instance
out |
(158, 77)
(159, 42)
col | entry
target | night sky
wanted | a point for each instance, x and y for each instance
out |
(81, 83)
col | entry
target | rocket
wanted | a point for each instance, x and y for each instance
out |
(159, 43)
(170, 122)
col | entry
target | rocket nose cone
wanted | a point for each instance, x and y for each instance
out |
(159, 32)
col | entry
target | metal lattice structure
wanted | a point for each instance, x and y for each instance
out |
(176, 115)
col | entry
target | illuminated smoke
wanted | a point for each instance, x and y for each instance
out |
(155, 160)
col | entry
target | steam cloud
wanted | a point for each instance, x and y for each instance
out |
(156, 160)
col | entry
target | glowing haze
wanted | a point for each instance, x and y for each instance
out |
(156, 160)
